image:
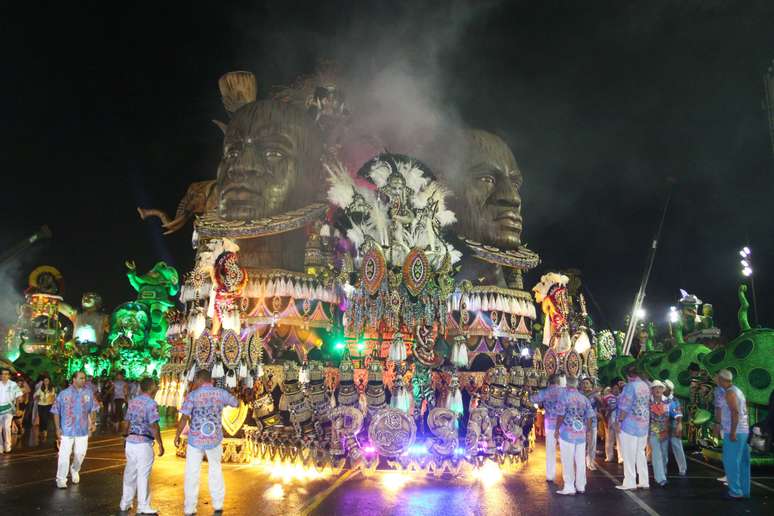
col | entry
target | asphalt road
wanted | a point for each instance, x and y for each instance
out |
(27, 486)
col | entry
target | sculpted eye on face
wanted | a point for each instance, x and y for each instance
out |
(267, 149)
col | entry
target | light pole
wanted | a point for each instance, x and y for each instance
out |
(747, 272)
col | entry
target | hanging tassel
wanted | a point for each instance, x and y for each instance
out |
(248, 381)
(197, 323)
(547, 331)
(231, 379)
(242, 369)
(454, 402)
(217, 370)
(259, 370)
(191, 374)
(582, 343)
(459, 355)
(397, 348)
(564, 342)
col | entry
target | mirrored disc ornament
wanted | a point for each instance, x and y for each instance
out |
(392, 432)
(550, 362)
(230, 348)
(204, 348)
(372, 270)
(572, 363)
(416, 271)
(254, 350)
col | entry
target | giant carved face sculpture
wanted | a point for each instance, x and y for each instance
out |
(488, 204)
(271, 155)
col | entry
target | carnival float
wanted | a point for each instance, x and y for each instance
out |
(369, 312)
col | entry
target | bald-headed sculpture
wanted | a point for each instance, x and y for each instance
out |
(270, 163)
(487, 200)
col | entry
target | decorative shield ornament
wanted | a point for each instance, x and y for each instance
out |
(254, 350)
(591, 362)
(203, 351)
(550, 362)
(572, 363)
(416, 271)
(392, 432)
(372, 270)
(230, 349)
(233, 418)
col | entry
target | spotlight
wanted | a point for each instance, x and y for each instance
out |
(640, 314)
(746, 251)
(745, 263)
(747, 271)
(673, 316)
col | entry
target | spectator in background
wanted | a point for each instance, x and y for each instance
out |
(120, 395)
(736, 430)
(633, 422)
(45, 395)
(612, 437)
(675, 429)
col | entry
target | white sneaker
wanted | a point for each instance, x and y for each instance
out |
(723, 479)
(149, 510)
(61, 485)
(75, 478)
(565, 492)
(623, 488)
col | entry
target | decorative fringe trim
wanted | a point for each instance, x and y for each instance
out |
(217, 370)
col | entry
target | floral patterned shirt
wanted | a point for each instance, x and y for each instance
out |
(549, 398)
(73, 407)
(575, 409)
(635, 402)
(141, 414)
(204, 406)
(659, 419)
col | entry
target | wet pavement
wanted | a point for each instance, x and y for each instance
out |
(27, 487)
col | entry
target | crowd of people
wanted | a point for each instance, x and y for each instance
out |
(135, 413)
(638, 418)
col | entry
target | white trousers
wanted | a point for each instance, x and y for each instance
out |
(139, 461)
(193, 463)
(5, 431)
(75, 446)
(591, 445)
(612, 441)
(550, 455)
(573, 465)
(635, 461)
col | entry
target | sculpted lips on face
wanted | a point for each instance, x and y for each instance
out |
(509, 220)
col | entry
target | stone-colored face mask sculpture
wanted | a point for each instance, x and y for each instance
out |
(488, 204)
(271, 158)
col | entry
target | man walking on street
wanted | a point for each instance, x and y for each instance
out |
(587, 386)
(142, 417)
(573, 421)
(612, 437)
(549, 397)
(633, 419)
(9, 394)
(736, 429)
(203, 408)
(675, 429)
(74, 420)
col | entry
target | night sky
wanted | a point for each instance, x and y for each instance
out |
(108, 110)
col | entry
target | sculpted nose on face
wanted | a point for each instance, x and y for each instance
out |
(507, 195)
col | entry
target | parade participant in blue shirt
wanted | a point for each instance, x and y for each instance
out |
(735, 427)
(675, 429)
(587, 389)
(548, 398)
(142, 419)
(659, 431)
(202, 410)
(633, 419)
(74, 420)
(573, 420)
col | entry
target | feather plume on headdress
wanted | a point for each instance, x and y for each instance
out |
(342, 189)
